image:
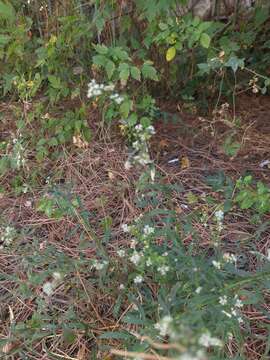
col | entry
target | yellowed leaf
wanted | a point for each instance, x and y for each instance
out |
(185, 163)
(170, 54)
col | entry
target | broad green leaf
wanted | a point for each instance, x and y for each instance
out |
(234, 63)
(135, 73)
(124, 72)
(7, 11)
(99, 60)
(125, 108)
(170, 54)
(110, 67)
(55, 82)
(261, 15)
(205, 40)
(149, 72)
(101, 49)
(4, 39)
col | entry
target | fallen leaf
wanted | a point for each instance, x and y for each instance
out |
(185, 163)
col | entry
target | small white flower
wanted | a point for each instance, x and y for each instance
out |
(135, 258)
(163, 269)
(223, 300)
(119, 100)
(163, 326)
(151, 129)
(139, 127)
(148, 230)
(125, 228)
(207, 340)
(149, 262)
(121, 253)
(240, 320)
(216, 264)
(121, 286)
(48, 288)
(57, 276)
(230, 258)
(127, 165)
(99, 265)
(239, 303)
(198, 290)
(219, 215)
(138, 279)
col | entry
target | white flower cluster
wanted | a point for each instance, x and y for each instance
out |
(207, 340)
(99, 265)
(227, 258)
(164, 325)
(136, 258)
(230, 258)
(117, 98)
(219, 215)
(49, 286)
(121, 253)
(18, 152)
(235, 309)
(125, 228)
(216, 264)
(95, 89)
(138, 279)
(148, 230)
(8, 234)
(141, 153)
(163, 269)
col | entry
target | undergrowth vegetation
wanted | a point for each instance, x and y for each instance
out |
(104, 253)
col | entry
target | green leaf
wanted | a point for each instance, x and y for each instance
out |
(135, 73)
(205, 40)
(234, 63)
(55, 81)
(163, 26)
(149, 72)
(125, 108)
(133, 319)
(4, 39)
(69, 336)
(124, 72)
(116, 335)
(101, 49)
(7, 11)
(170, 54)
(99, 60)
(261, 15)
(110, 67)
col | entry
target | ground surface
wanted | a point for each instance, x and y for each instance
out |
(106, 190)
